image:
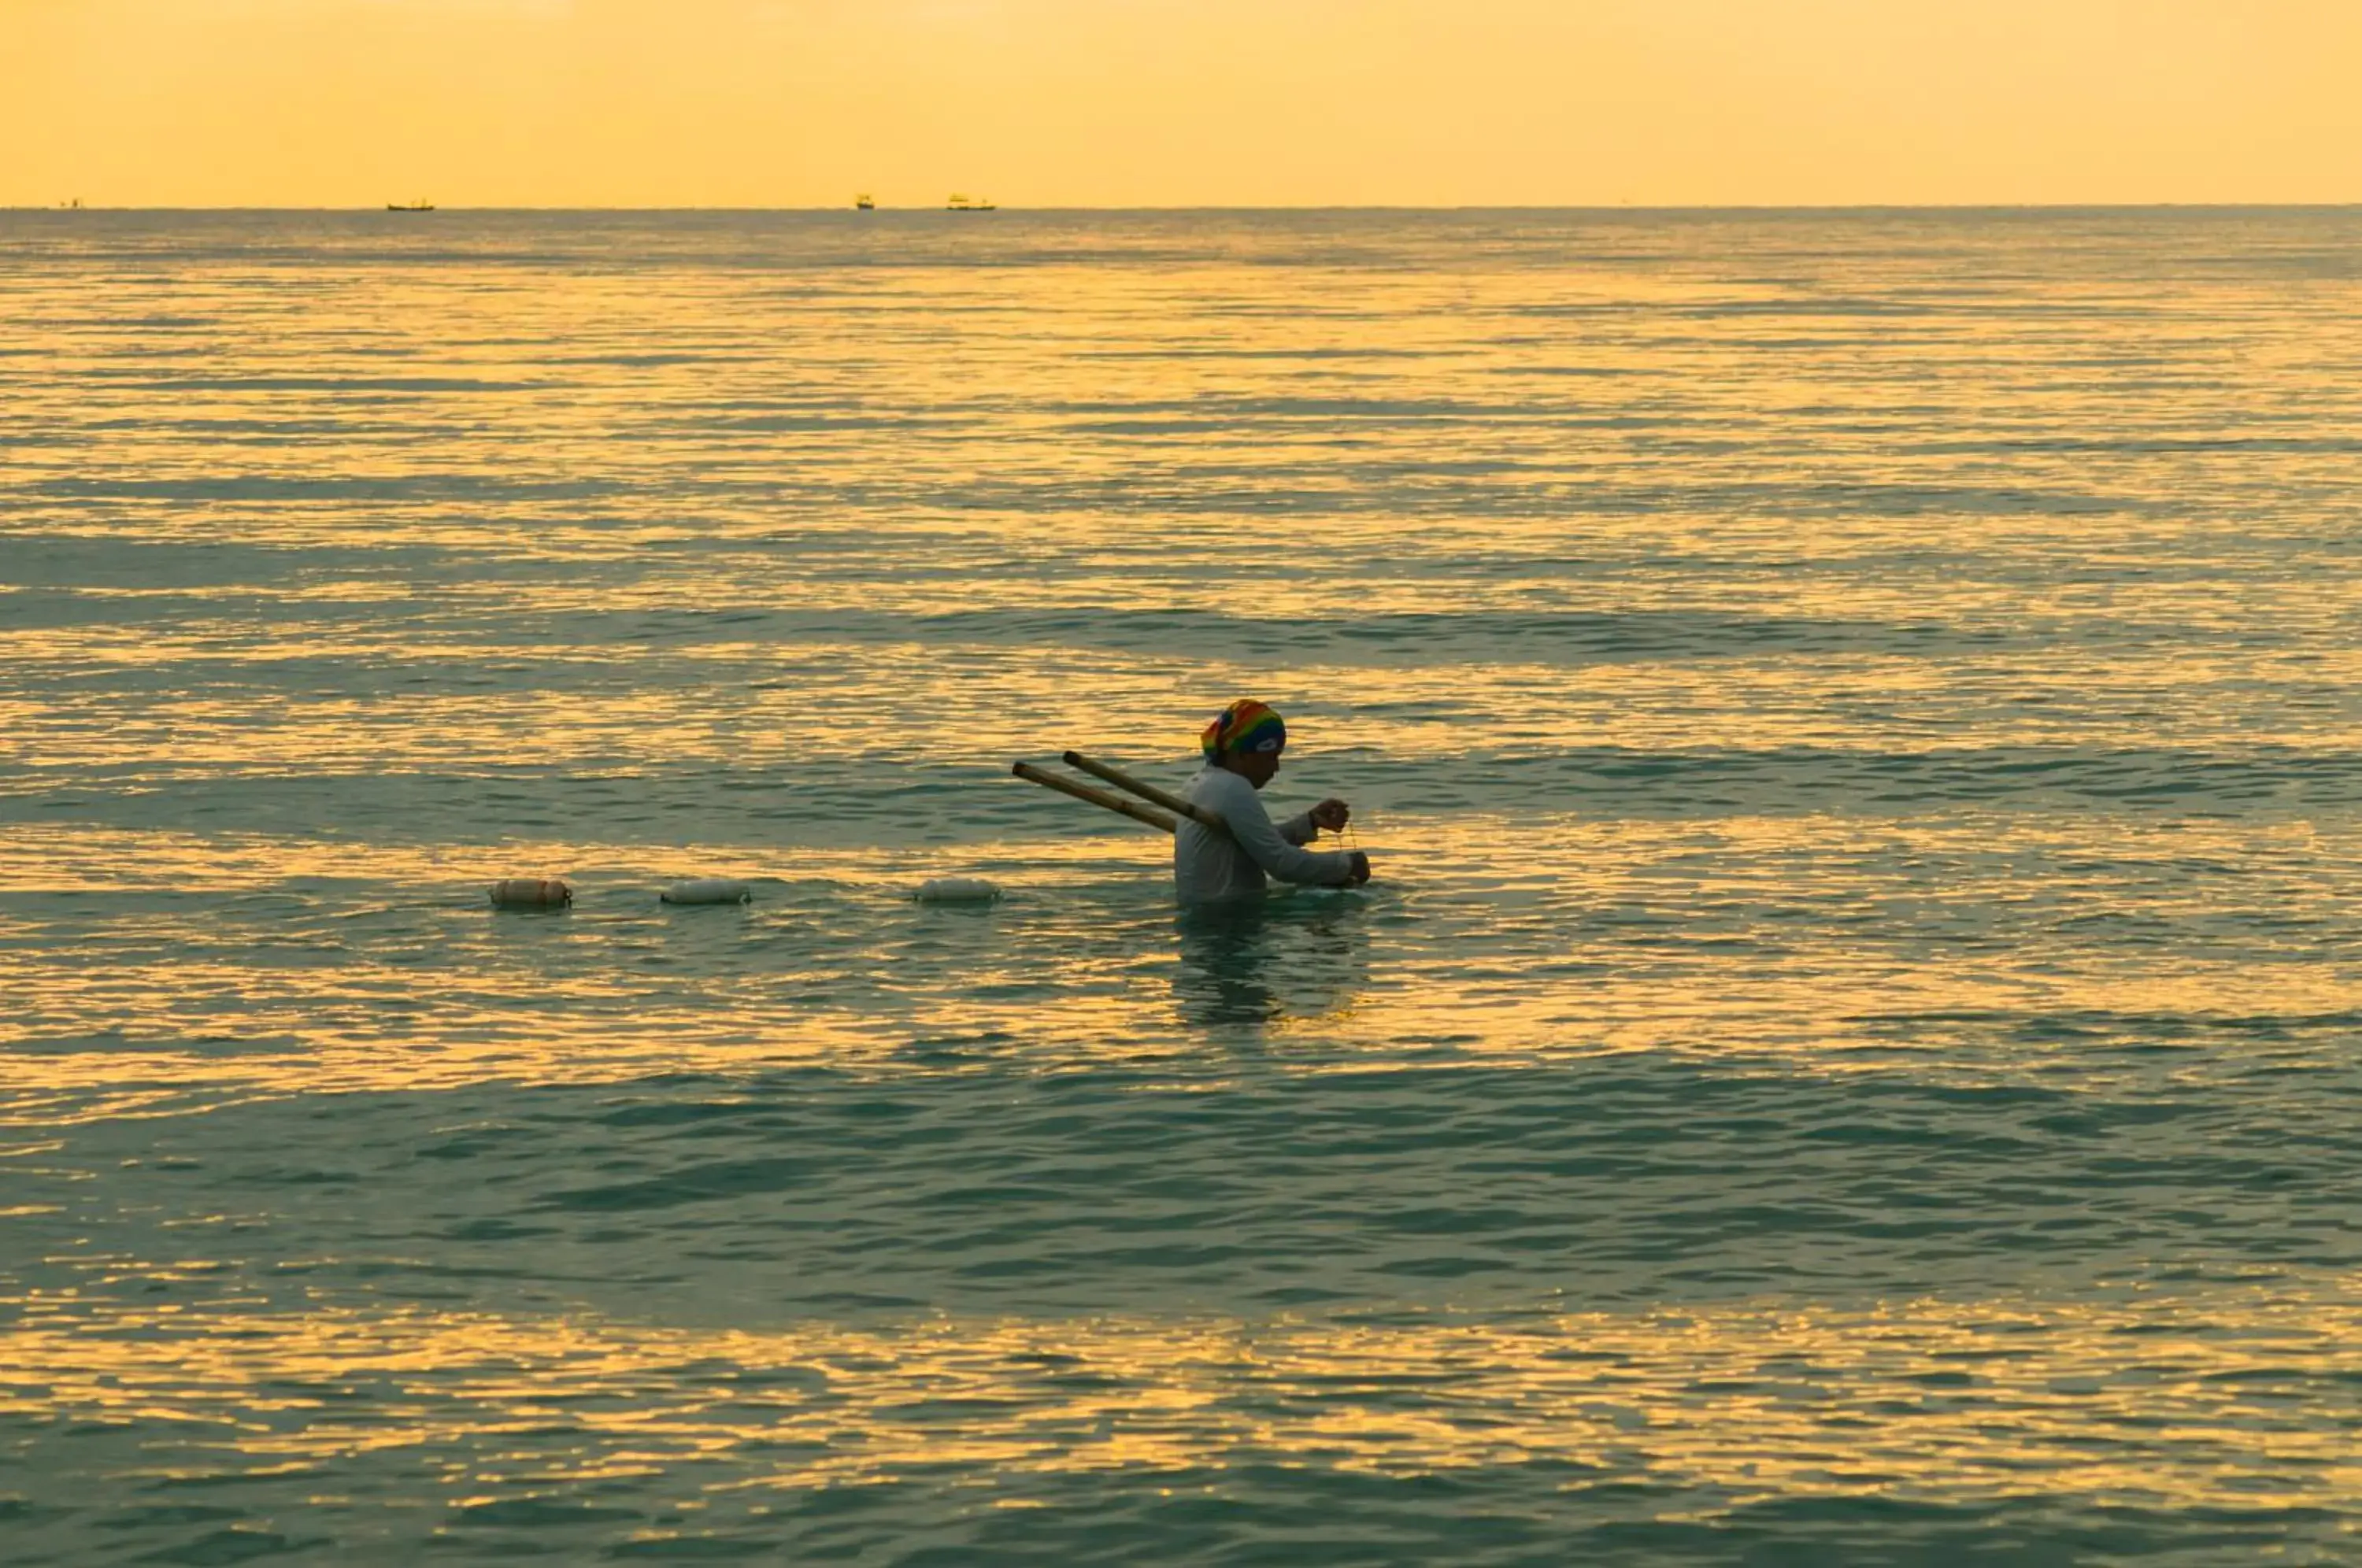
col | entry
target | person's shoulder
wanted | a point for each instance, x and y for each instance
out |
(1224, 792)
(1219, 785)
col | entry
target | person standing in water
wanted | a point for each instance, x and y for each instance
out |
(1243, 747)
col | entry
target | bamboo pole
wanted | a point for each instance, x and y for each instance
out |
(1147, 792)
(1115, 803)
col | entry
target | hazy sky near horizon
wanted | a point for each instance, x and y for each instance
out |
(1041, 102)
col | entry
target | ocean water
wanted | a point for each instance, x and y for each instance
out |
(1852, 1054)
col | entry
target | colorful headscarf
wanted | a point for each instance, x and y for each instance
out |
(1246, 725)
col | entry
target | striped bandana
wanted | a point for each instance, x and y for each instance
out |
(1245, 726)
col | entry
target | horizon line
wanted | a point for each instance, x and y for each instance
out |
(77, 205)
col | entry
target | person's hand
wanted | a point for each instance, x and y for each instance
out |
(1332, 815)
(1361, 868)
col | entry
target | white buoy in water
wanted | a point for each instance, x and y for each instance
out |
(531, 893)
(956, 890)
(709, 890)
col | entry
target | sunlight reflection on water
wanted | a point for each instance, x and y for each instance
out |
(1856, 716)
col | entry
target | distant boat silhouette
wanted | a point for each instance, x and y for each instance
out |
(864, 205)
(410, 206)
(959, 203)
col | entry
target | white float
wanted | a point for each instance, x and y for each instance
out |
(531, 893)
(956, 890)
(709, 890)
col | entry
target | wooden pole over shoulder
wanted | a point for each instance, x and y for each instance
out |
(1149, 793)
(1115, 803)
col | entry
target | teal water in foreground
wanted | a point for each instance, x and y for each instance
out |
(1852, 1056)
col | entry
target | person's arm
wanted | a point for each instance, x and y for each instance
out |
(1261, 837)
(1300, 829)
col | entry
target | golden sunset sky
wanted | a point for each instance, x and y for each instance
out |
(1161, 103)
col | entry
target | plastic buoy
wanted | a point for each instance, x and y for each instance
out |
(956, 890)
(708, 890)
(532, 893)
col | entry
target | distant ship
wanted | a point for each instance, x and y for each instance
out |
(959, 203)
(864, 205)
(410, 206)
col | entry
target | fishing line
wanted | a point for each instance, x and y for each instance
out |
(1352, 842)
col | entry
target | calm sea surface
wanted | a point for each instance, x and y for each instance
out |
(1854, 1055)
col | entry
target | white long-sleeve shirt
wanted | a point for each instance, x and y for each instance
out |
(1209, 865)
